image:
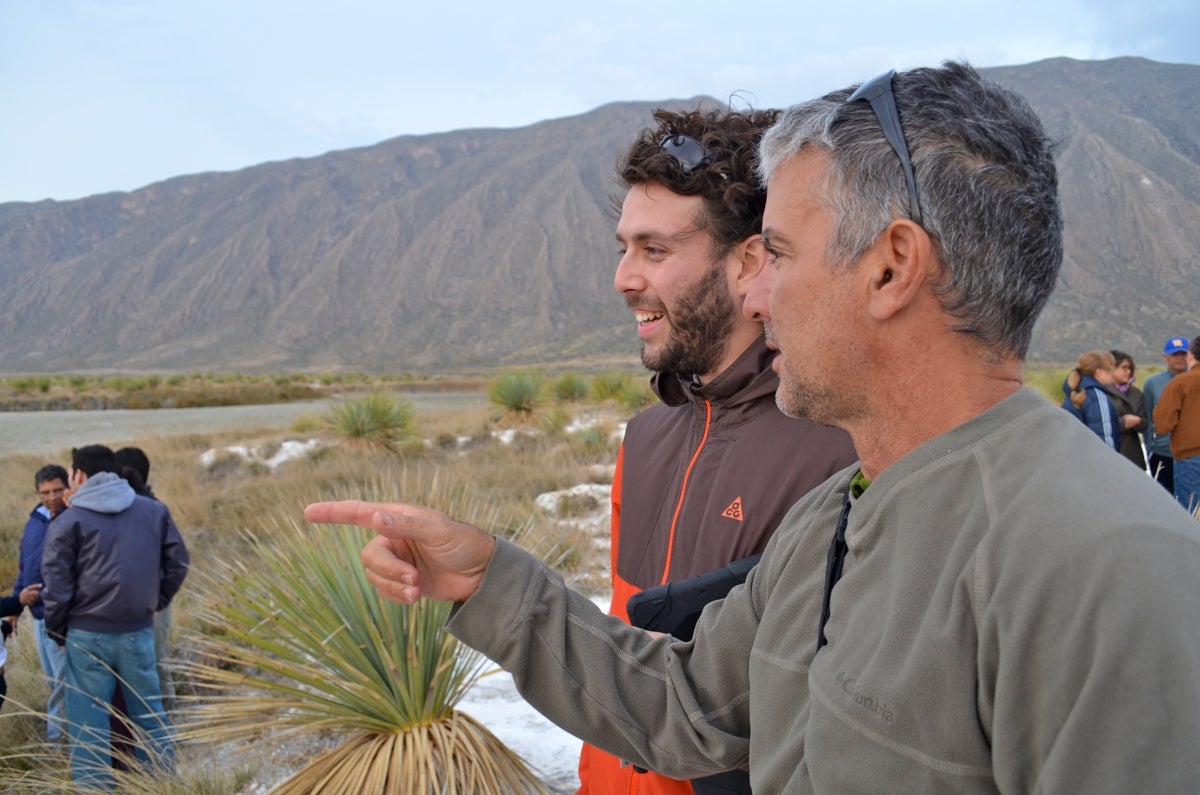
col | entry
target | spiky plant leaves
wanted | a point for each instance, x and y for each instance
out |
(377, 420)
(442, 757)
(301, 643)
(570, 387)
(608, 386)
(516, 391)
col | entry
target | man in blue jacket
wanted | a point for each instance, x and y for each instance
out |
(51, 484)
(1158, 445)
(112, 559)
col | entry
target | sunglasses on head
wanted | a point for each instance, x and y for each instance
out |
(878, 92)
(690, 153)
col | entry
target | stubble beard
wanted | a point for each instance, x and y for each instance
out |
(700, 329)
(806, 399)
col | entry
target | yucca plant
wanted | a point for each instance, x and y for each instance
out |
(302, 643)
(376, 419)
(608, 386)
(635, 395)
(570, 388)
(516, 391)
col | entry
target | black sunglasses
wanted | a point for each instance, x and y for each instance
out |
(878, 92)
(690, 153)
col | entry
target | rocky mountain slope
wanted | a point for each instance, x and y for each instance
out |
(490, 247)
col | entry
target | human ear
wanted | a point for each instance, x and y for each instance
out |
(897, 265)
(751, 258)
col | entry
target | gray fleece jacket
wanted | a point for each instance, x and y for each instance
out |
(112, 559)
(1012, 617)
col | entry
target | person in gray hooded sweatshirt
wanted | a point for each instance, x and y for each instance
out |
(111, 560)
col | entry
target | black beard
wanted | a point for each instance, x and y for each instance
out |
(700, 329)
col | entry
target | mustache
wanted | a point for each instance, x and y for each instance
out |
(639, 304)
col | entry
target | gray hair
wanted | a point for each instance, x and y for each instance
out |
(987, 184)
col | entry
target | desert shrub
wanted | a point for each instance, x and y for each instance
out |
(309, 646)
(608, 386)
(376, 419)
(516, 391)
(595, 441)
(554, 421)
(570, 388)
(212, 508)
(635, 395)
(307, 423)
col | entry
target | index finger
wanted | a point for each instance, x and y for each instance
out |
(347, 512)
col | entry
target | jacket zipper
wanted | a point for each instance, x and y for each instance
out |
(683, 490)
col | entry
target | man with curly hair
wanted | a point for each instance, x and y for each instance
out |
(979, 605)
(705, 476)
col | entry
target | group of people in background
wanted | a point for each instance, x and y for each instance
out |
(100, 561)
(1157, 427)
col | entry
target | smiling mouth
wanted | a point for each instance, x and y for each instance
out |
(647, 317)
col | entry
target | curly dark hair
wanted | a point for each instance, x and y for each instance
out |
(728, 181)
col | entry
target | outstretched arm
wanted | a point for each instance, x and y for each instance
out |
(418, 552)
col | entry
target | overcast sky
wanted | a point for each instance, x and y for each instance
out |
(104, 95)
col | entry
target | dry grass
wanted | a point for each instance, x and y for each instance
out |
(214, 505)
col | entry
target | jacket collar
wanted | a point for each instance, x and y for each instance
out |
(749, 377)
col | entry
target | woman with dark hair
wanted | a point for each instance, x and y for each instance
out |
(1087, 397)
(1131, 408)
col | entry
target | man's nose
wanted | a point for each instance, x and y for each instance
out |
(755, 305)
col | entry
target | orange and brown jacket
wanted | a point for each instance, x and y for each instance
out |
(702, 479)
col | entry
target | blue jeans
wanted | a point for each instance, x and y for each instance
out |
(54, 663)
(1187, 483)
(96, 662)
(162, 633)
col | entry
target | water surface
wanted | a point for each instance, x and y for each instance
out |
(55, 431)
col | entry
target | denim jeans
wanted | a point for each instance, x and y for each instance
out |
(1187, 483)
(54, 663)
(96, 662)
(162, 634)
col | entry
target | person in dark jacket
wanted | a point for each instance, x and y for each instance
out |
(51, 484)
(1086, 395)
(12, 606)
(112, 559)
(1131, 408)
(134, 466)
(704, 477)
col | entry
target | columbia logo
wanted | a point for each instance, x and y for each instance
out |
(734, 511)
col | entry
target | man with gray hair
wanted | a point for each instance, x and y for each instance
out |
(987, 602)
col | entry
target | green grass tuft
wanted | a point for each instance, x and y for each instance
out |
(516, 391)
(374, 420)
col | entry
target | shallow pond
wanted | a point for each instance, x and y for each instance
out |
(53, 431)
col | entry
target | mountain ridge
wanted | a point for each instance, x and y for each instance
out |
(494, 247)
